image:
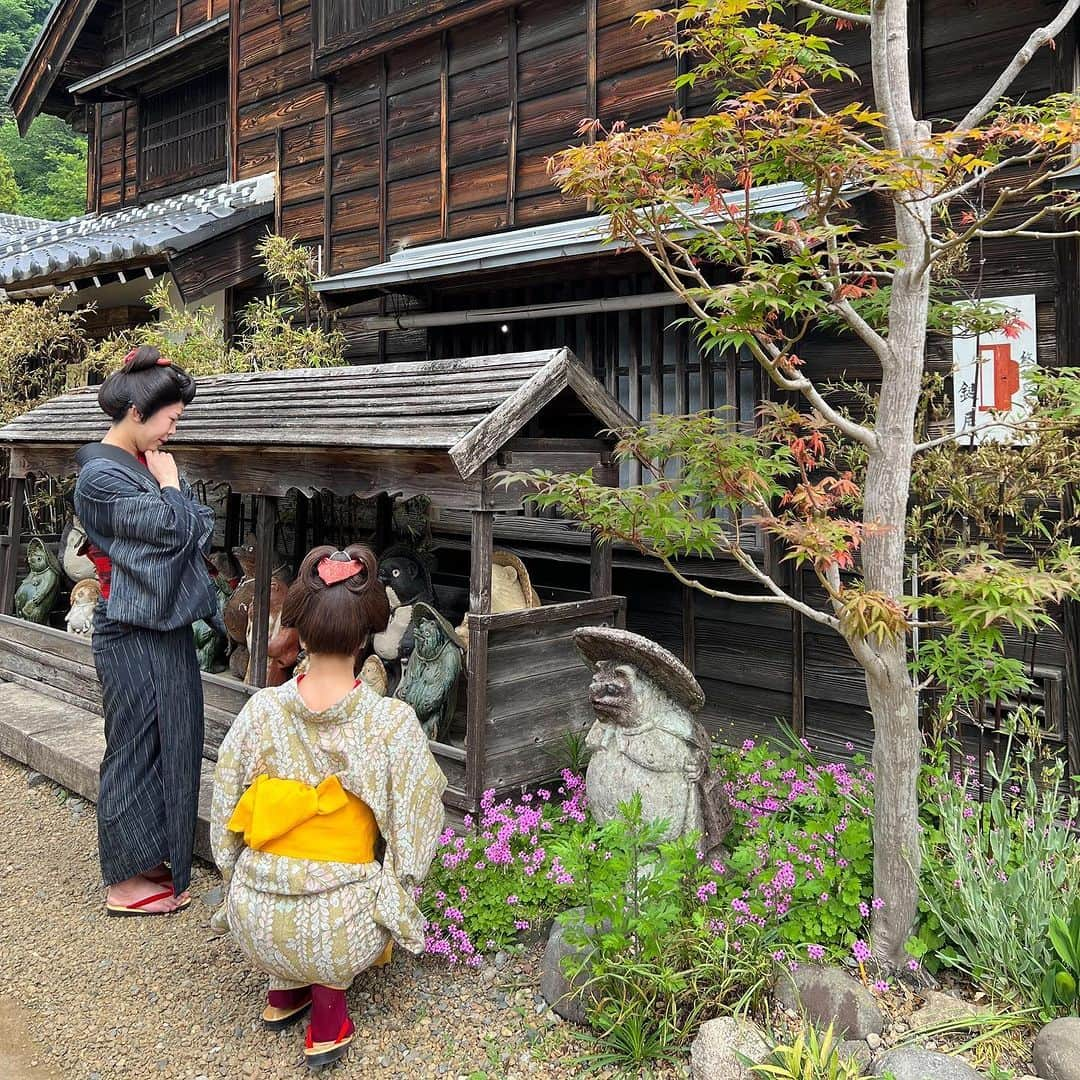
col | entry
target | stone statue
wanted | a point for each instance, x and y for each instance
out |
(646, 740)
(36, 596)
(430, 681)
(405, 575)
(73, 543)
(84, 597)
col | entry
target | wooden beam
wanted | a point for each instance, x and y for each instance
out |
(444, 135)
(328, 169)
(915, 56)
(512, 115)
(798, 661)
(599, 568)
(383, 113)
(234, 89)
(689, 627)
(265, 517)
(476, 661)
(384, 521)
(16, 494)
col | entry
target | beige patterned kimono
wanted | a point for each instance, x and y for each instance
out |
(319, 922)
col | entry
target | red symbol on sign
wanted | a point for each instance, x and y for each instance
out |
(1000, 376)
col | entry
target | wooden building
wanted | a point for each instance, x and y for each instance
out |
(407, 141)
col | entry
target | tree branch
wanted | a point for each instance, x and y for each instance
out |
(836, 13)
(1020, 61)
(776, 594)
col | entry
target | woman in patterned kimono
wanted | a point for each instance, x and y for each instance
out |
(147, 536)
(327, 809)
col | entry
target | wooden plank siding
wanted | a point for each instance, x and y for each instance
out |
(448, 136)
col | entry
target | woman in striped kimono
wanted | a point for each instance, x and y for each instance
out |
(148, 536)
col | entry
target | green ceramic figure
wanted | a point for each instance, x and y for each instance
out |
(36, 596)
(210, 642)
(430, 681)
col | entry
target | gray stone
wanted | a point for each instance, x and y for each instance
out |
(873, 1041)
(563, 995)
(212, 897)
(917, 1063)
(857, 1050)
(942, 1008)
(725, 1048)
(35, 779)
(829, 995)
(1056, 1052)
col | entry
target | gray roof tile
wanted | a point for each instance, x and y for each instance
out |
(31, 248)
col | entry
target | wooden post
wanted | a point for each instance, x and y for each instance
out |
(476, 668)
(798, 660)
(300, 531)
(17, 493)
(384, 521)
(599, 568)
(265, 506)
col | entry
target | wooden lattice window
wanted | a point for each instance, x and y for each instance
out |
(182, 132)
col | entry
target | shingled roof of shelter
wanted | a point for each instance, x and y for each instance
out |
(54, 250)
(467, 408)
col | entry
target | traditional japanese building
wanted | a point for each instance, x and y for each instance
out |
(407, 142)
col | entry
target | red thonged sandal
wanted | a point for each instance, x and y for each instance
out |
(324, 1053)
(139, 907)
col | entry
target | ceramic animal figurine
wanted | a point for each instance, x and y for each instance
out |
(373, 675)
(645, 739)
(408, 582)
(84, 597)
(211, 638)
(237, 612)
(511, 590)
(278, 589)
(282, 653)
(430, 681)
(36, 596)
(73, 543)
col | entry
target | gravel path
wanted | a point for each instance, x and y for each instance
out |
(84, 997)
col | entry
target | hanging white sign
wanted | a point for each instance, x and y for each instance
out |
(991, 372)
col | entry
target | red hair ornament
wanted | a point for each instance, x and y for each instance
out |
(333, 570)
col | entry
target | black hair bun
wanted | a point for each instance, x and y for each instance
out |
(147, 382)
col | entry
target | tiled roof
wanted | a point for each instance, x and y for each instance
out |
(537, 244)
(13, 226)
(54, 250)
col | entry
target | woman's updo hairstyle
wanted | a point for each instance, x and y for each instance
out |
(148, 382)
(337, 601)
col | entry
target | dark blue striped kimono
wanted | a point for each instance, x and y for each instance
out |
(144, 653)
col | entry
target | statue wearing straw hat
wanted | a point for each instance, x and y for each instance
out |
(645, 739)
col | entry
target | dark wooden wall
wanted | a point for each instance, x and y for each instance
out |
(448, 137)
(112, 163)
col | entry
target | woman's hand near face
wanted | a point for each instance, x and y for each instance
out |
(163, 468)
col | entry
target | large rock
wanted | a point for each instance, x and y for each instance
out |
(942, 1008)
(829, 995)
(917, 1063)
(722, 1048)
(564, 997)
(1056, 1052)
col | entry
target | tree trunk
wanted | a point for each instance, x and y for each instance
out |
(891, 690)
(896, 758)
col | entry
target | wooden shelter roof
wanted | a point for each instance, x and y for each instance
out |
(464, 410)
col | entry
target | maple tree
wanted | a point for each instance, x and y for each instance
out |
(831, 481)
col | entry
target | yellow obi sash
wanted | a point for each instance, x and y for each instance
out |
(291, 818)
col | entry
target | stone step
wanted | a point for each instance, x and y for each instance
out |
(66, 744)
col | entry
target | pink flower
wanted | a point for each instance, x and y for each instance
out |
(815, 952)
(861, 951)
